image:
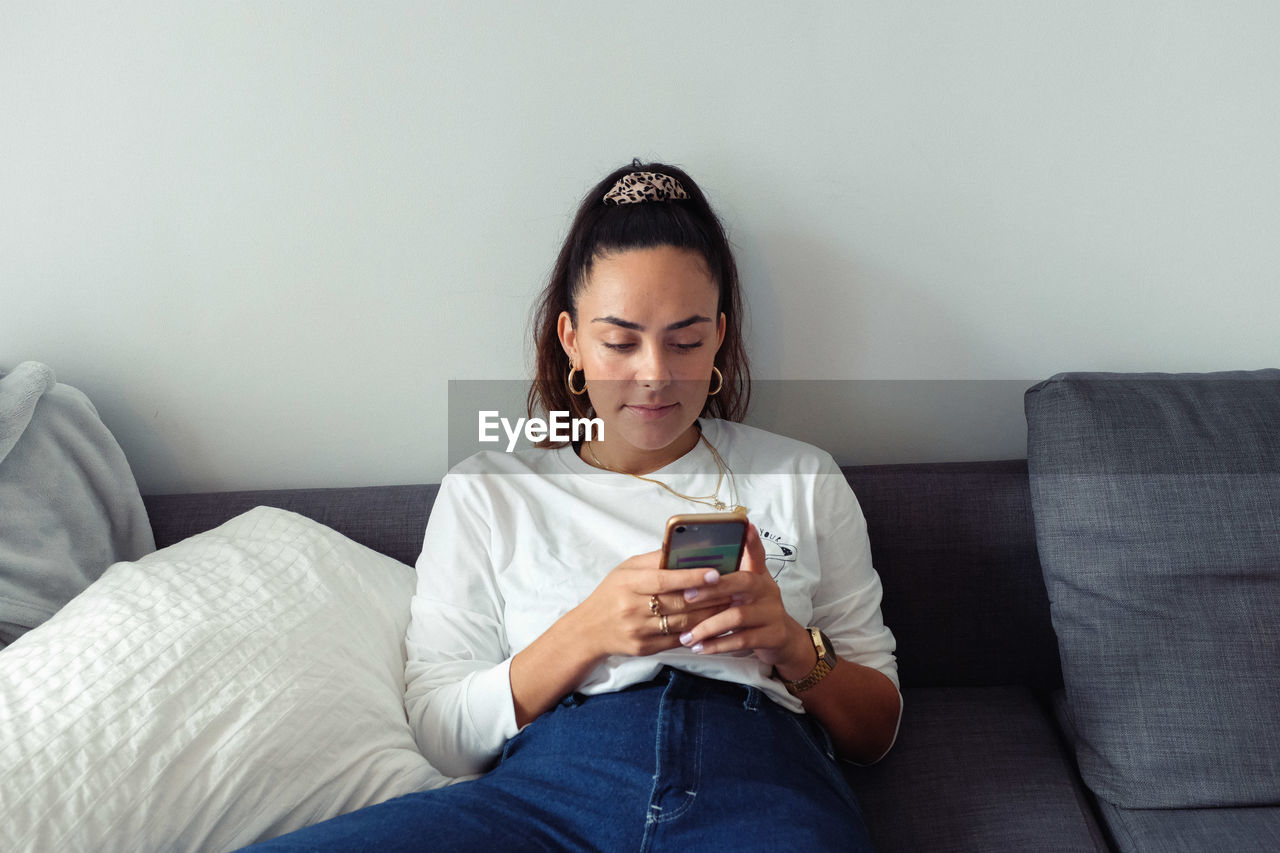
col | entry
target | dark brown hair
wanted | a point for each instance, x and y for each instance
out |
(599, 229)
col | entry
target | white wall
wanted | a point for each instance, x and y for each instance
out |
(263, 236)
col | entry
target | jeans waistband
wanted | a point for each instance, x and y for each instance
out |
(694, 686)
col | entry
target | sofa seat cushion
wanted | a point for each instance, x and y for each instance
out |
(975, 769)
(1157, 512)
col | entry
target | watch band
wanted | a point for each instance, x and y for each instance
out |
(826, 662)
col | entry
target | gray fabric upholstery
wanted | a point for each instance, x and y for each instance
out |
(1157, 512)
(390, 519)
(962, 532)
(1179, 830)
(1194, 830)
(975, 769)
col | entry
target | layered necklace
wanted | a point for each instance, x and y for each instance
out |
(712, 500)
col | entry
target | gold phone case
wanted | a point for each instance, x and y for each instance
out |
(701, 518)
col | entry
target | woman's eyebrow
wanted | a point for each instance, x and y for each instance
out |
(627, 324)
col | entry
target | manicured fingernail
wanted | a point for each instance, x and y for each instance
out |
(686, 638)
(696, 649)
(690, 594)
(712, 576)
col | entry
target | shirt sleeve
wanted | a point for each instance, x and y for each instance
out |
(846, 605)
(458, 689)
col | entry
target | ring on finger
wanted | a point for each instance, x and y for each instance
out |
(663, 626)
(655, 606)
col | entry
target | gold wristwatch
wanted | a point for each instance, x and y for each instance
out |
(826, 662)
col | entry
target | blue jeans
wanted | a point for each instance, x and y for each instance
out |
(680, 763)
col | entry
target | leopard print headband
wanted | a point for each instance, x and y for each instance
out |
(636, 187)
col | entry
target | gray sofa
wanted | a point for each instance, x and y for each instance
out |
(1148, 512)
(980, 763)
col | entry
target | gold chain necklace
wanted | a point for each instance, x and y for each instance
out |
(711, 500)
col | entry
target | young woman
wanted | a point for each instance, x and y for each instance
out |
(607, 703)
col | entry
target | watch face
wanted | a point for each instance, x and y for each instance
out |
(824, 650)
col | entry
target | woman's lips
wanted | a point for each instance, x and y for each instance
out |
(647, 412)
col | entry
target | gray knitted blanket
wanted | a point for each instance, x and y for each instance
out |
(69, 505)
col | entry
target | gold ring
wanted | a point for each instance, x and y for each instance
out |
(662, 623)
(655, 606)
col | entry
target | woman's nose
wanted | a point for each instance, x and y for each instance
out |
(654, 367)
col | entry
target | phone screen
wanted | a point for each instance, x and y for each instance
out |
(696, 544)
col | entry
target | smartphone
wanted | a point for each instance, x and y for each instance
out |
(712, 540)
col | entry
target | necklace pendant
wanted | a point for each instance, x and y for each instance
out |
(719, 504)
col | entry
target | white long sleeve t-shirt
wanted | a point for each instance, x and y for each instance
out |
(517, 540)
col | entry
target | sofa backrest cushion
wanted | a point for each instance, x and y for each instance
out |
(953, 543)
(955, 548)
(1157, 514)
(388, 519)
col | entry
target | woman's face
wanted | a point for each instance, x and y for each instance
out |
(646, 339)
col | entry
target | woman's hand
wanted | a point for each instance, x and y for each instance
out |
(619, 617)
(756, 617)
(629, 610)
(859, 706)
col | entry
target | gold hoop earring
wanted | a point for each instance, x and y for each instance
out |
(720, 384)
(568, 381)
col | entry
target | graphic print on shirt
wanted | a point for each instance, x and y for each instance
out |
(777, 554)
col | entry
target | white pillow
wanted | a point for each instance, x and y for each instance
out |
(232, 687)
